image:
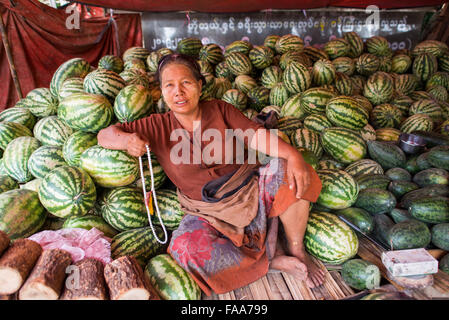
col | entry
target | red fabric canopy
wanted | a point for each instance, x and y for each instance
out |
(251, 5)
(40, 43)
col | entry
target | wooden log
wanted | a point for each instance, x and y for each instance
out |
(17, 263)
(88, 282)
(124, 277)
(47, 278)
(4, 241)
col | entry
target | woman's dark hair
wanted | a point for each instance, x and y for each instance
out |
(186, 60)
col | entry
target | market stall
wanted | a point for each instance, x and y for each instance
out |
(366, 106)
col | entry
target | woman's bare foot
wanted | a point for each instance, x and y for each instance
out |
(315, 276)
(291, 265)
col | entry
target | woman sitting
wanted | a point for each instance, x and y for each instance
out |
(228, 236)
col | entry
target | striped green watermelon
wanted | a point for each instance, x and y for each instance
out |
(363, 167)
(109, 168)
(67, 191)
(70, 86)
(258, 98)
(368, 133)
(158, 174)
(344, 65)
(135, 76)
(329, 164)
(241, 46)
(41, 102)
(124, 208)
(314, 100)
(296, 77)
(44, 159)
(434, 47)
(424, 65)
(315, 54)
(344, 111)
(292, 107)
(439, 93)
(165, 51)
(52, 131)
(18, 115)
(364, 102)
(104, 82)
(135, 53)
(386, 116)
(245, 83)
(388, 134)
(400, 63)
(402, 102)
(170, 280)
(86, 112)
(361, 274)
(438, 79)
(355, 44)
(443, 62)
(152, 61)
(10, 131)
(343, 84)
(270, 41)
(132, 103)
(236, 98)
(261, 57)
(317, 122)
(289, 42)
(427, 107)
(138, 243)
(111, 62)
(379, 88)
(270, 76)
(134, 64)
(211, 53)
(76, 144)
(88, 222)
(7, 183)
(367, 64)
(291, 56)
(21, 213)
(208, 89)
(288, 124)
(221, 85)
(222, 70)
(329, 239)
(279, 94)
(76, 67)
(419, 95)
(16, 156)
(323, 72)
(344, 145)
(339, 191)
(378, 46)
(337, 48)
(205, 67)
(310, 140)
(405, 83)
(169, 208)
(238, 63)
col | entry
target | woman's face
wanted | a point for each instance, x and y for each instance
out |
(180, 89)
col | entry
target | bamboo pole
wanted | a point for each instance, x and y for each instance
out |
(10, 59)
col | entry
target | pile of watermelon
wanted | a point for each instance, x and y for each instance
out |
(343, 106)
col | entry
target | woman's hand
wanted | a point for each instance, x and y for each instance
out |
(136, 145)
(298, 174)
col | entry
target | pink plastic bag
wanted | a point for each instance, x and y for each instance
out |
(80, 243)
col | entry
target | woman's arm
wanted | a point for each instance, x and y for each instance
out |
(297, 170)
(113, 137)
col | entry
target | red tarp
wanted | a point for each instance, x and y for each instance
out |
(40, 42)
(250, 5)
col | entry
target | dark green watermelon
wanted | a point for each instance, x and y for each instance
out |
(444, 264)
(398, 174)
(400, 215)
(431, 176)
(359, 217)
(382, 226)
(429, 191)
(375, 201)
(431, 209)
(400, 187)
(440, 236)
(409, 235)
(360, 274)
(372, 180)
